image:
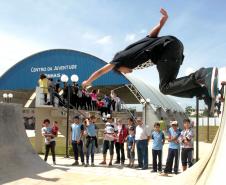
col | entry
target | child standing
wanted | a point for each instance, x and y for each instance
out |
(158, 142)
(50, 142)
(91, 139)
(119, 144)
(186, 139)
(131, 146)
(173, 151)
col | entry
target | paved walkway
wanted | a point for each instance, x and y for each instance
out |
(64, 173)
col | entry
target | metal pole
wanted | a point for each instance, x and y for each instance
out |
(67, 129)
(208, 128)
(197, 129)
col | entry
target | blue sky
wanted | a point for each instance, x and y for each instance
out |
(103, 27)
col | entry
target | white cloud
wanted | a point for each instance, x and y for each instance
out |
(89, 36)
(143, 31)
(130, 37)
(14, 49)
(189, 70)
(105, 40)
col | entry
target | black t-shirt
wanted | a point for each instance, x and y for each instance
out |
(141, 51)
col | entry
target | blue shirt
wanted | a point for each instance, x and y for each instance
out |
(130, 141)
(158, 138)
(91, 130)
(174, 133)
(76, 131)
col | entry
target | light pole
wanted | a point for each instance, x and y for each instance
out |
(64, 78)
(7, 97)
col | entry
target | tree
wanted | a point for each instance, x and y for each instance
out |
(188, 110)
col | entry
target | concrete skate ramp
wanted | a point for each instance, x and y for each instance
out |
(17, 157)
(18, 160)
(211, 168)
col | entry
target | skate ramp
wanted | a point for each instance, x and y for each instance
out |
(19, 161)
(17, 157)
(210, 169)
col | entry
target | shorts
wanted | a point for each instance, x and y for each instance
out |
(108, 145)
(187, 156)
(130, 154)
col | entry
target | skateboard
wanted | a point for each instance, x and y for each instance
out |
(221, 91)
(221, 98)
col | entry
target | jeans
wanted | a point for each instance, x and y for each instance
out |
(78, 149)
(168, 65)
(50, 146)
(142, 153)
(155, 154)
(172, 155)
(90, 150)
(120, 150)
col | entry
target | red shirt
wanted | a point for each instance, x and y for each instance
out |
(122, 133)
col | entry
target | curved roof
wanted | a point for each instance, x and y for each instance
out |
(157, 98)
(24, 74)
(54, 63)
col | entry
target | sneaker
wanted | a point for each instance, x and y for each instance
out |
(103, 162)
(83, 164)
(211, 81)
(164, 174)
(76, 163)
(92, 164)
(128, 165)
(144, 168)
(138, 166)
(117, 162)
(210, 102)
(153, 171)
(110, 164)
(86, 165)
(54, 163)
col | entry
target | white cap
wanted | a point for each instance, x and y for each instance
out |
(173, 123)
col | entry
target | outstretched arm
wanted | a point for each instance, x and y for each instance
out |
(155, 31)
(98, 74)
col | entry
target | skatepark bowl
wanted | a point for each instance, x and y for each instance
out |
(20, 164)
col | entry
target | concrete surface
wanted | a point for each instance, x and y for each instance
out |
(19, 164)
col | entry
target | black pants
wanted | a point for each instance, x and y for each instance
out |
(172, 156)
(168, 65)
(155, 154)
(78, 150)
(120, 152)
(50, 146)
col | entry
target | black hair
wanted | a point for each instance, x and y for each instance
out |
(131, 119)
(46, 120)
(157, 124)
(187, 120)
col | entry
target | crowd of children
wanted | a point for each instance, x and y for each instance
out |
(135, 136)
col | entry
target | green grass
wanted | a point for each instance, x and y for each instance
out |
(60, 146)
(61, 149)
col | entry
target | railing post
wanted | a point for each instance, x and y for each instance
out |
(197, 129)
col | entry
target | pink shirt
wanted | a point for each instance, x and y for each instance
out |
(93, 96)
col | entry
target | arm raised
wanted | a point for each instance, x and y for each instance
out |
(97, 74)
(155, 31)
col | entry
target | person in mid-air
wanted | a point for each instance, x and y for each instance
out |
(166, 52)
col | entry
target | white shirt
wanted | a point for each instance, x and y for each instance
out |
(47, 130)
(109, 131)
(142, 132)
